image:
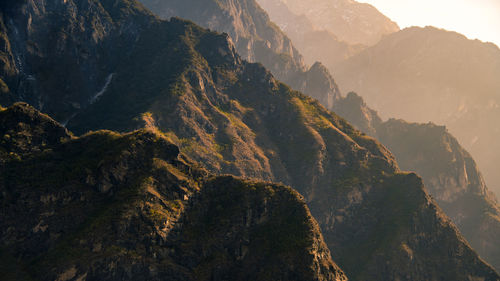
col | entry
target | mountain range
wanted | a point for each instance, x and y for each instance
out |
(313, 43)
(458, 187)
(449, 172)
(257, 39)
(351, 21)
(418, 74)
(109, 206)
(452, 79)
(113, 65)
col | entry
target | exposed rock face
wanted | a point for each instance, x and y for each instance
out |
(256, 38)
(190, 84)
(80, 41)
(449, 172)
(350, 21)
(452, 177)
(128, 207)
(428, 74)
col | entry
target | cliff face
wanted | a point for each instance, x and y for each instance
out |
(449, 172)
(256, 39)
(59, 54)
(107, 206)
(189, 84)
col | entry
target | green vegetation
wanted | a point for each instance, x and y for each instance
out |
(311, 115)
(284, 235)
(135, 196)
(119, 193)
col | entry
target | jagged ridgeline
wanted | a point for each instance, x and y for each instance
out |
(108, 206)
(189, 84)
(452, 177)
(257, 39)
(449, 172)
(422, 74)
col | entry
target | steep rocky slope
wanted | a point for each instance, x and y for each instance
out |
(78, 40)
(351, 21)
(107, 206)
(7, 69)
(452, 177)
(449, 172)
(256, 38)
(473, 210)
(189, 84)
(427, 74)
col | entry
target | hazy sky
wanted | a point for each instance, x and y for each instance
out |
(476, 19)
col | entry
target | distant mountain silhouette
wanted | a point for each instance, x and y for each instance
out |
(429, 74)
(350, 21)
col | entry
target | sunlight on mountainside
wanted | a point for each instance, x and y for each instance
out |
(203, 140)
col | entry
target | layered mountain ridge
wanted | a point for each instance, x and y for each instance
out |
(106, 206)
(472, 206)
(256, 39)
(190, 85)
(451, 79)
(351, 21)
(449, 172)
(314, 44)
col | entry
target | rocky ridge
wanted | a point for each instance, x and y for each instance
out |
(256, 38)
(449, 172)
(107, 206)
(429, 74)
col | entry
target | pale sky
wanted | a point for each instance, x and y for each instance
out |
(476, 19)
